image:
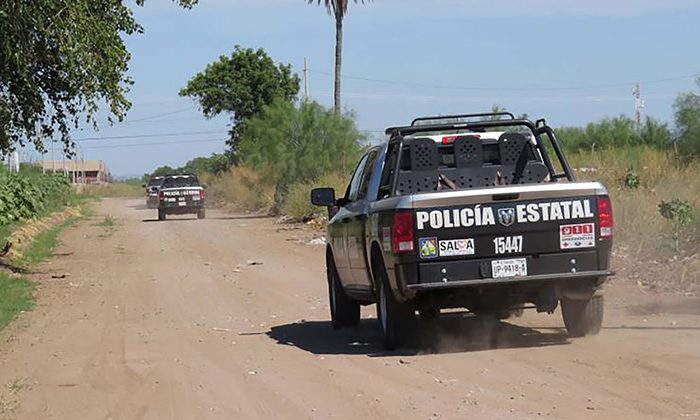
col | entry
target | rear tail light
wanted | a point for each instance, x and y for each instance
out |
(201, 194)
(605, 217)
(403, 235)
(160, 195)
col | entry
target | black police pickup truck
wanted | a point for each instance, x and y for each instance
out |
(467, 211)
(152, 191)
(181, 194)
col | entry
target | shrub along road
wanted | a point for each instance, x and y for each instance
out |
(174, 320)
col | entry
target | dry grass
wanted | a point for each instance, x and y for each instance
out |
(117, 189)
(240, 189)
(644, 247)
(297, 203)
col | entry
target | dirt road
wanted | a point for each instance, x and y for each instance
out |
(170, 320)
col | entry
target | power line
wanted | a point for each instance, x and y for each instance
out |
(475, 88)
(150, 136)
(159, 115)
(119, 146)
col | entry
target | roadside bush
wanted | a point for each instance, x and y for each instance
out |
(292, 144)
(631, 179)
(297, 203)
(616, 132)
(25, 196)
(240, 189)
(680, 214)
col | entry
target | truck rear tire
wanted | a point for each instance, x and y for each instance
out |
(345, 311)
(583, 317)
(201, 214)
(396, 319)
(161, 215)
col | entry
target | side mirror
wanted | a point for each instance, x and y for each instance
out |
(323, 197)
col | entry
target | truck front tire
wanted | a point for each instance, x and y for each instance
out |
(345, 311)
(583, 317)
(396, 319)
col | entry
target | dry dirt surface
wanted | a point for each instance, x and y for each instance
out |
(227, 318)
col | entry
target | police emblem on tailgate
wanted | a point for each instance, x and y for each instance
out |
(506, 216)
(428, 247)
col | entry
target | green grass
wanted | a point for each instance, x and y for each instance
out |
(16, 293)
(5, 231)
(43, 245)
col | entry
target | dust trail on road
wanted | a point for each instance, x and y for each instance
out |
(167, 320)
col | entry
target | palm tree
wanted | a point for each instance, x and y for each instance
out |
(338, 9)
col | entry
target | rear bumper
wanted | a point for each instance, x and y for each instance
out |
(189, 209)
(584, 275)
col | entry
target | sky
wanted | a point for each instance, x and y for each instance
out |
(569, 61)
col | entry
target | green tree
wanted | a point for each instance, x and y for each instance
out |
(299, 144)
(214, 164)
(58, 61)
(613, 132)
(687, 118)
(338, 9)
(242, 85)
(655, 133)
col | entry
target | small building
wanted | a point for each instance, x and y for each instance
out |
(80, 171)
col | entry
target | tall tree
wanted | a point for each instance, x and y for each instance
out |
(687, 117)
(242, 85)
(337, 9)
(59, 60)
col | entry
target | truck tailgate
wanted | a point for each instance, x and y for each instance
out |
(182, 197)
(507, 232)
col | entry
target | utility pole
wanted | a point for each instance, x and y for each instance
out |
(83, 171)
(306, 80)
(638, 105)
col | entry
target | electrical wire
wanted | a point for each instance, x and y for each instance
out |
(522, 89)
(119, 146)
(193, 133)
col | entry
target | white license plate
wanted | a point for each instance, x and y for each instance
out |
(515, 267)
(182, 203)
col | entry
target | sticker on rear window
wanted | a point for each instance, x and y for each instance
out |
(454, 247)
(428, 247)
(577, 236)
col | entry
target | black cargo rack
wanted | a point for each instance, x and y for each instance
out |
(537, 129)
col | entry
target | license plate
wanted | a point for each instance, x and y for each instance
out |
(515, 267)
(182, 203)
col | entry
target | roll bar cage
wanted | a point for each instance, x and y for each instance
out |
(461, 116)
(537, 128)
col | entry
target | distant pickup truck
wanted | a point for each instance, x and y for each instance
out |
(181, 194)
(152, 191)
(467, 211)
